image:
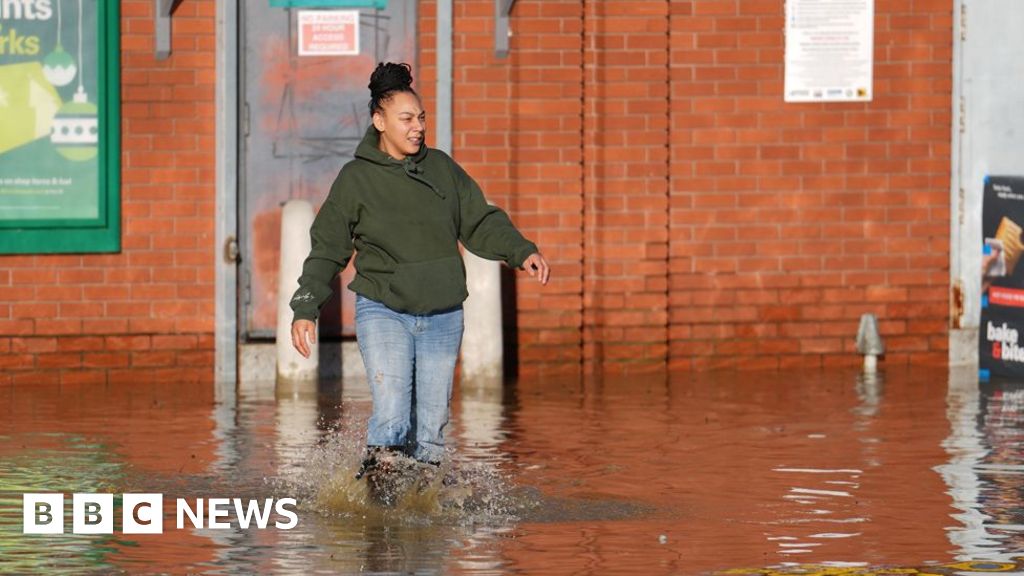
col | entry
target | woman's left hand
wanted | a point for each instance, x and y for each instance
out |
(537, 266)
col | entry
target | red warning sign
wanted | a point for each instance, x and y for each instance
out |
(328, 33)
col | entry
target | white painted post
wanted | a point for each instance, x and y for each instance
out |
(296, 219)
(482, 350)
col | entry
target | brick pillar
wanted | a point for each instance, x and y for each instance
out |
(626, 185)
(517, 131)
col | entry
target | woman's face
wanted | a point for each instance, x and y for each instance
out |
(402, 124)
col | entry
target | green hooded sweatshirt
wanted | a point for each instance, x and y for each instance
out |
(403, 220)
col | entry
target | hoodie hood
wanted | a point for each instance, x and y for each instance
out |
(369, 149)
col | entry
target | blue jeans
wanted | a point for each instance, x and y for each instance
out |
(410, 365)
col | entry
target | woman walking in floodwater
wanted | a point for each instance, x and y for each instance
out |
(403, 207)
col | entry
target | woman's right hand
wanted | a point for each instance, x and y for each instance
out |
(303, 335)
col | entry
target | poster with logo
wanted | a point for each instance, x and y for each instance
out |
(1001, 349)
(829, 52)
(58, 119)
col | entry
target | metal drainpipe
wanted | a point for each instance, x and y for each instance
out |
(444, 75)
(226, 255)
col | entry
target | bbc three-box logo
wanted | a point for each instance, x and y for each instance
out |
(144, 513)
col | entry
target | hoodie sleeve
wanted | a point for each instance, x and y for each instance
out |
(486, 230)
(331, 236)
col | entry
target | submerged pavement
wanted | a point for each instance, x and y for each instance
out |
(909, 472)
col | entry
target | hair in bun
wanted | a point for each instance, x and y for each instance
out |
(387, 79)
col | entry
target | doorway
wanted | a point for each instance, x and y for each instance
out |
(301, 117)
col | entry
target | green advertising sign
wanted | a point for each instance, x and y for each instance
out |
(59, 126)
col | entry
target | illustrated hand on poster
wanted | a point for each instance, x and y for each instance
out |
(993, 265)
(1001, 325)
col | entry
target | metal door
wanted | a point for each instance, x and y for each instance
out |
(988, 139)
(301, 119)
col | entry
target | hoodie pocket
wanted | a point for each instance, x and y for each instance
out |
(426, 287)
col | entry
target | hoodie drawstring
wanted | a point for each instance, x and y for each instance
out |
(413, 170)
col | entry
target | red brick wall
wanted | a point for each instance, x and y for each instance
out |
(694, 219)
(788, 221)
(691, 217)
(147, 311)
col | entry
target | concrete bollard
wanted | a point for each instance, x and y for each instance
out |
(482, 344)
(296, 219)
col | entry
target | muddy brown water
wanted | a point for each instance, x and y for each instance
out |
(912, 471)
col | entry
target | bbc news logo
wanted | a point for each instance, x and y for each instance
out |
(144, 513)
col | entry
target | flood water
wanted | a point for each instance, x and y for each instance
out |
(912, 471)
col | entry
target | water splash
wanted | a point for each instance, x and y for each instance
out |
(459, 491)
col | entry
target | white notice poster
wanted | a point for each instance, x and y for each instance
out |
(829, 56)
